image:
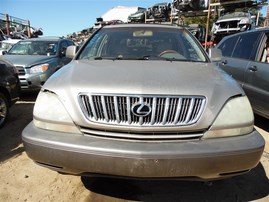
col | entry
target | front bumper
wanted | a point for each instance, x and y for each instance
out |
(86, 155)
(33, 81)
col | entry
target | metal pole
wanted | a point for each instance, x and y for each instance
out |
(207, 23)
(257, 19)
(266, 18)
(28, 29)
(7, 24)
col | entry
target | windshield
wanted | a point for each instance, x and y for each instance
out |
(143, 43)
(34, 48)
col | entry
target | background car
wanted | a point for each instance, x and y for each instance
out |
(231, 23)
(143, 101)
(9, 89)
(159, 11)
(37, 59)
(198, 31)
(5, 45)
(189, 5)
(138, 16)
(245, 58)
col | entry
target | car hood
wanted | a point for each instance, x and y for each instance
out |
(230, 19)
(27, 60)
(143, 78)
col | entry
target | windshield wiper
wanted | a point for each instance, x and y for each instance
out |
(176, 59)
(98, 58)
(108, 58)
(156, 57)
(150, 57)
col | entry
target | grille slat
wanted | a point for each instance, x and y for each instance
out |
(104, 108)
(190, 110)
(129, 110)
(165, 110)
(91, 103)
(20, 70)
(153, 110)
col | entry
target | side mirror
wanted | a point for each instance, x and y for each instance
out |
(71, 51)
(4, 52)
(215, 54)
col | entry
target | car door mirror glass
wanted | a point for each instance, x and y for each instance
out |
(71, 51)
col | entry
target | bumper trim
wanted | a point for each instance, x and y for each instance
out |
(205, 159)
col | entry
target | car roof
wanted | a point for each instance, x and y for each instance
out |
(144, 25)
(46, 39)
(263, 29)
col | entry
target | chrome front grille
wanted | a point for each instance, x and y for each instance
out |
(229, 24)
(160, 110)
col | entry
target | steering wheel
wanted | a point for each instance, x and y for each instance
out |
(167, 51)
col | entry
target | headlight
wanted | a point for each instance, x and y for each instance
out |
(50, 114)
(244, 21)
(39, 68)
(236, 118)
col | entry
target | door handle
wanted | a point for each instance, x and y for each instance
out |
(253, 69)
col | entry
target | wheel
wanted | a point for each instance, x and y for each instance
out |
(4, 109)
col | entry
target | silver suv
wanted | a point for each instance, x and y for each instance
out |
(145, 101)
(37, 59)
(232, 23)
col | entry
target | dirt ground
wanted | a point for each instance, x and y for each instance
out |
(23, 180)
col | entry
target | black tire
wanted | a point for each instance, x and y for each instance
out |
(4, 109)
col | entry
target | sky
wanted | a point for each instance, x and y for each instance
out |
(62, 17)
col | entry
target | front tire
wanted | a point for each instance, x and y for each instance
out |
(4, 109)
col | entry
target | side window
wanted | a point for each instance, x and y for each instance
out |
(63, 47)
(264, 50)
(70, 43)
(228, 45)
(246, 46)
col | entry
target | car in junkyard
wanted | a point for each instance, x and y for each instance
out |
(36, 59)
(231, 23)
(159, 12)
(198, 31)
(9, 89)
(138, 16)
(143, 101)
(100, 23)
(246, 59)
(5, 45)
(189, 5)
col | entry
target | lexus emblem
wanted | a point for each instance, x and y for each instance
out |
(141, 109)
